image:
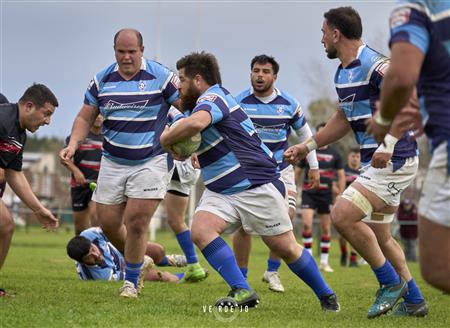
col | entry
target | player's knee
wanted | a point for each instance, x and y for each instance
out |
(7, 227)
(155, 251)
(136, 226)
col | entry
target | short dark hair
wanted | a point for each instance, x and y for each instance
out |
(138, 36)
(264, 59)
(320, 125)
(39, 94)
(354, 150)
(202, 63)
(78, 247)
(346, 20)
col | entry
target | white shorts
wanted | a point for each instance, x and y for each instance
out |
(288, 177)
(389, 185)
(117, 182)
(262, 210)
(187, 177)
(435, 199)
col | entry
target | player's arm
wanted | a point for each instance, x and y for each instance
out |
(2, 175)
(80, 129)
(78, 175)
(185, 128)
(21, 187)
(336, 128)
(340, 180)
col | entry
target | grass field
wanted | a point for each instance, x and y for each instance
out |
(49, 294)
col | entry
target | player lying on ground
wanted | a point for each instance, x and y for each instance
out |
(98, 259)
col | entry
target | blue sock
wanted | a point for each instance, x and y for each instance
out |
(306, 269)
(273, 264)
(244, 272)
(164, 262)
(180, 275)
(386, 274)
(132, 271)
(413, 295)
(186, 244)
(220, 256)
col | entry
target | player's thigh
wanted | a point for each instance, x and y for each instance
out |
(434, 237)
(140, 211)
(264, 209)
(219, 208)
(110, 216)
(382, 231)
(206, 227)
(283, 244)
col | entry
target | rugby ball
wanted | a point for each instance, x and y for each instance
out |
(187, 146)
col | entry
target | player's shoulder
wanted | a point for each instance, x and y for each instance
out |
(288, 99)
(104, 73)
(244, 95)
(92, 233)
(373, 61)
(155, 68)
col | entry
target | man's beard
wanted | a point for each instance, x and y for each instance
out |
(332, 53)
(263, 88)
(189, 100)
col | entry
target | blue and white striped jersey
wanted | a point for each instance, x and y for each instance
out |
(134, 111)
(273, 120)
(358, 88)
(232, 156)
(112, 266)
(426, 25)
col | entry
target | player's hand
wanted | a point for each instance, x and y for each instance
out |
(46, 218)
(409, 119)
(67, 153)
(314, 178)
(380, 160)
(296, 153)
(194, 161)
(80, 179)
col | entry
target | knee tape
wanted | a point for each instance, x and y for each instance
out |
(358, 200)
(378, 217)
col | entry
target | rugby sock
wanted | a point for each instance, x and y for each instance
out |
(186, 244)
(164, 262)
(325, 242)
(413, 295)
(180, 275)
(307, 241)
(220, 256)
(132, 271)
(343, 249)
(273, 264)
(244, 271)
(386, 274)
(306, 269)
(353, 256)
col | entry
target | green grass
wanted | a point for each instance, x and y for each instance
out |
(49, 294)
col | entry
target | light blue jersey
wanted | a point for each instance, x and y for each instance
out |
(112, 266)
(273, 120)
(232, 156)
(358, 88)
(134, 111)
(426, 25)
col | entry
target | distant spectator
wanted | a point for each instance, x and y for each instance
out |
(407, 218)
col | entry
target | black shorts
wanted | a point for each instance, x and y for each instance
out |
(317, 200)
(2, 188)
(81, 196)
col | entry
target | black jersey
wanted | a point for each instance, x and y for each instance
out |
(12, 138)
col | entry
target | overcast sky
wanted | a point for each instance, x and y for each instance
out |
(64, 43)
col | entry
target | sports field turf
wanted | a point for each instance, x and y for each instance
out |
(49, 294)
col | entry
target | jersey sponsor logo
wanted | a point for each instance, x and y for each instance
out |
(137, 106)
(399, 17)
(209, 98)
(346, 104)
(274, 130)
